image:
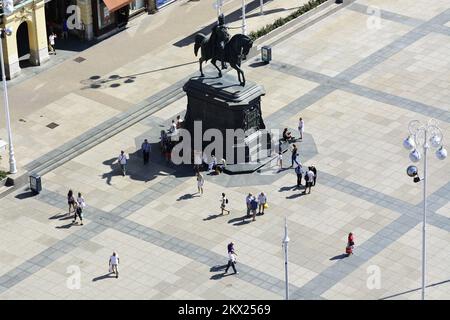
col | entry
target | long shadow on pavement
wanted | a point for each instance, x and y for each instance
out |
(109, 275)
(218, 268)
(295, 196)
(213, 216)
(412, 290)
(66, 226)
(188, 196)
(339, 257)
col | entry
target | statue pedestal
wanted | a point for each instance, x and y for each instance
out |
(221, 103)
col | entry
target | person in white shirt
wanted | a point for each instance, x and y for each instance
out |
(51, 40)
(262, 200)
(79, 209)
(122, 160)
(280, 160)
(223, 204)
(231, 263)
(301, 127)
(213, 163)
(173, 128)
(113, 264)
(309, 177)
(200, 182)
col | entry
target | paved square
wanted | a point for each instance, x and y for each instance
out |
(357, 89)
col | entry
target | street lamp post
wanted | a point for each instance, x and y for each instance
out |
(12, 161)
(261, 7)
(285, 245)
(423, 135)
(244, 23)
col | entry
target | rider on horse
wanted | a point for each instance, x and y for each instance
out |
(220, 37)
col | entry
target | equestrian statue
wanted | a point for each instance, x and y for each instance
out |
(219, 47)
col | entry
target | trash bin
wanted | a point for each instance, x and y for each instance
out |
(266, 54)
(35, 183)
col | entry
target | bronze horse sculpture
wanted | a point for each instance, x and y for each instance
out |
(235, 51)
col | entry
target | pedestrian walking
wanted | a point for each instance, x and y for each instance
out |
(200, 182)
(350, 244)
(80, 205)
(122, 160)
(71, 200)
(294, 155)
(350, 239)
(114, 263)
(248, 201)
(78, 213)
(223, 204)
(262, 203)
(51, 40)
(299, 171)
(146, 148)
(254, 207)
(314, 170)
(231, 263)
(301, 127)
(280, 160)
(309, 178)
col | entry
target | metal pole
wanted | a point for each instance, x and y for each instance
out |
(219, 7)
(244, 24)
(425, 151)
(285, 242)
(261, 9)
(12, 160)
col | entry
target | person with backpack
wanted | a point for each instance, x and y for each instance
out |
(223, 204)
(309, 178)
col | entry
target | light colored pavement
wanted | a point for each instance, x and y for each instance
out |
(172, 242)
(150, 55)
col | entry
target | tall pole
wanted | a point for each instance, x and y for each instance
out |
(244, 24)
(285, 243)
(12, 160)
(424, 222)
(261, 9)
(219, 7)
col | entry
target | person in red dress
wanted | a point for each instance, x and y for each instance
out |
(350, 244)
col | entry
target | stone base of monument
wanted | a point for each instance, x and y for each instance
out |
(258, 160)
(221, 103)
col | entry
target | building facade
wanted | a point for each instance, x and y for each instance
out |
(80, 20)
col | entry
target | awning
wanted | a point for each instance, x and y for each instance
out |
(114, 5)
